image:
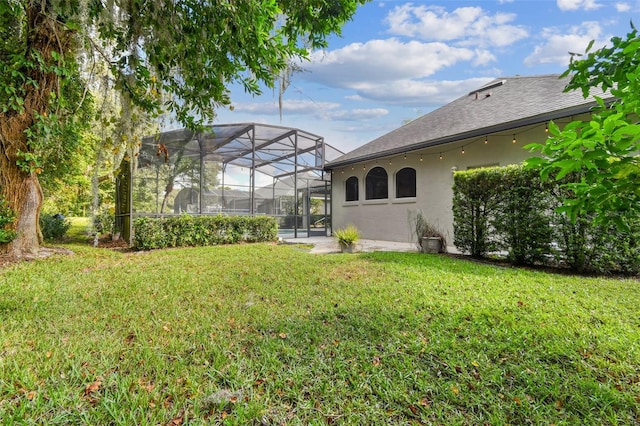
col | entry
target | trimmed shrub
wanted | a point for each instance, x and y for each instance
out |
(615, 251)
(585, 247)
(53, 227)
(185, 230)
(510, 209)
(149, 233)
(477, 195)
(522, 221)
(261, 228)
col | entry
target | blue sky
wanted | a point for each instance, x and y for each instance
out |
(398, 60)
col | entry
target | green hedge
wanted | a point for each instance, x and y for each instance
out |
(522, 224)
(508, 209)
(476, 198)
(179, 231)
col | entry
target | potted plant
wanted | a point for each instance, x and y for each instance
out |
(430, 239)
(347, 238)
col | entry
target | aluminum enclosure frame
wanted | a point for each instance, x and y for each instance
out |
(294, 160)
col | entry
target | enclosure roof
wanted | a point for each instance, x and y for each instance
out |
(502, 104)
(275, 151)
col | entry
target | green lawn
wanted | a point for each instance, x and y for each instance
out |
(271, 334)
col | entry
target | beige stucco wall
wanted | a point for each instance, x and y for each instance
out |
(390, 219)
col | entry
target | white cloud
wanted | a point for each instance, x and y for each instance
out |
(556, 47)
(289, 106)
(483, 57)
(492, 72)
(382, 60)
(355, 97)
(578, 4)
(466, 26)
(393, 72)
(355, 114)
(321, 110)
(623, 7)
(421, 93)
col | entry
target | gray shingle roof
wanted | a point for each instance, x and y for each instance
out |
(502, 104)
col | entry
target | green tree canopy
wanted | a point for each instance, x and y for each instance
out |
(177, 57)
(600, 154)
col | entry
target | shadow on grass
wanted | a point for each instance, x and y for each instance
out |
(480, 267)
(367, 365)
(439, 262)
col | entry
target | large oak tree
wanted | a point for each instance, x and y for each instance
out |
(175, 56)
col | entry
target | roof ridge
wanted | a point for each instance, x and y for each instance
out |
(518, 76)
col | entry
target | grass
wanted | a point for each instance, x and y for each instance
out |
(78, 229)
(270, 334)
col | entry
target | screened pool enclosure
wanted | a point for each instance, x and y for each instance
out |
(231, 169)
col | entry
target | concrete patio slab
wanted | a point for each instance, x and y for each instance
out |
(330, 245)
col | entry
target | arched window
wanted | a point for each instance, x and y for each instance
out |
(351, 189)
(376, 184)
(406, 183)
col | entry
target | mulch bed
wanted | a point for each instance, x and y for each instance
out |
(43, 253)
(109, 243)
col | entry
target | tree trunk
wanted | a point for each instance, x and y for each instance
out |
(29, 236)
(167, 191)
(22, 188)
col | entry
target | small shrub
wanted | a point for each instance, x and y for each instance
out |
(7, 217)
(53, 227)
(261, 229)
(104, 220)
(149, 234)
(347, 236)
(7, 235)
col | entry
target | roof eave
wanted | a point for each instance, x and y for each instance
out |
(541, 118)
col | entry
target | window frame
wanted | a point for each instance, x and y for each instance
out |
(357, 189)
(412, 185)
(376, 186)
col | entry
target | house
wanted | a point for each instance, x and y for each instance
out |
(380, 186)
